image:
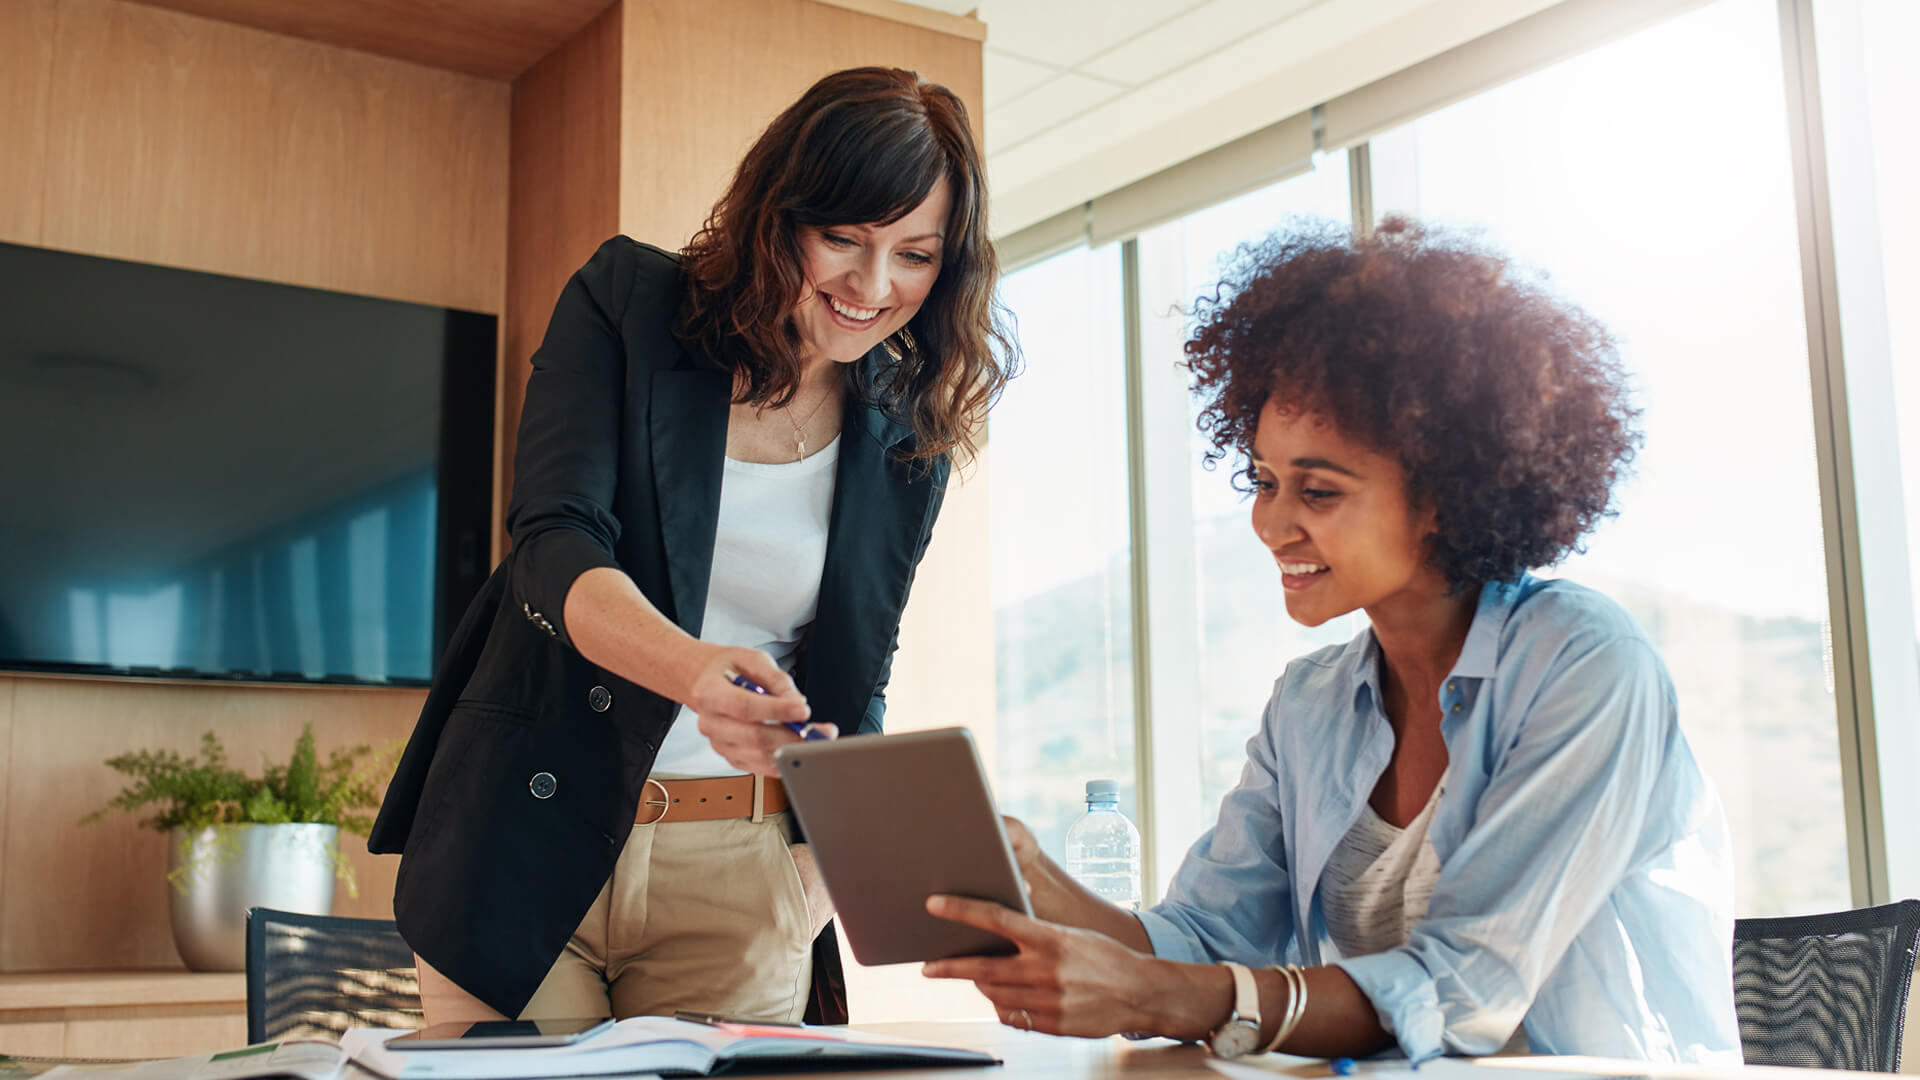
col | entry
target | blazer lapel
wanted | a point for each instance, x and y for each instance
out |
(873, 537)
(687, 430)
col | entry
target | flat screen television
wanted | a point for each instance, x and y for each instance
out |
(209, 477)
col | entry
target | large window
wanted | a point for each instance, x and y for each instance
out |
(1237, 608)
(1681, 237)
(1888, 29)
(1667, 183)
(1060, 578)
(1869, 90)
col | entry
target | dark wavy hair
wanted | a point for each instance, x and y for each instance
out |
(1505, 404)
(861, 146)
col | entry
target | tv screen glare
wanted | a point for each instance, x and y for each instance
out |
(209, 477)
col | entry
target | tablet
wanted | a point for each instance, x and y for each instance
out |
(893, 819)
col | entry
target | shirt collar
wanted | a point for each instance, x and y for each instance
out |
(1366, 671)
(1478, 653)
(1481, 650)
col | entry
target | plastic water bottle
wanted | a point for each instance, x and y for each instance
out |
(1103, 847)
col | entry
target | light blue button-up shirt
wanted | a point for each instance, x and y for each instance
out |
(1586, 885)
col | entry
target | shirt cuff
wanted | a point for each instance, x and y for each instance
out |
(1403, 994)
(1169, 940)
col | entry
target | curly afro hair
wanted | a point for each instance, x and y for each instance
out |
(1506, 405)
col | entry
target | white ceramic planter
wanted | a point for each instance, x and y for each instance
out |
(223, 870)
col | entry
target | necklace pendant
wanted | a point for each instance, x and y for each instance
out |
(799, 448)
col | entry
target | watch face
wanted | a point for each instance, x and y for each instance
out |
(1235, 1038)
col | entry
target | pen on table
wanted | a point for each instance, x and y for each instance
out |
(1341, 1066)
(806, 731)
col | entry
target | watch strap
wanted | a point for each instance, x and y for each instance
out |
(1246, 995)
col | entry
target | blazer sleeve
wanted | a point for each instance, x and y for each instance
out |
(566, 459)
(874, 720)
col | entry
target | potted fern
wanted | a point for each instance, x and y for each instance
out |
(237, 841)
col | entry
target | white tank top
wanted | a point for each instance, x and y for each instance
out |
(768, 552)
(1379, 881)
(1378, 884)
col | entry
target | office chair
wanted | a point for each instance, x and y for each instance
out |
(318, 975)
(1826, 991)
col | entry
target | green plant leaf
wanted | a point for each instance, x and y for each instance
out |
(204, 789)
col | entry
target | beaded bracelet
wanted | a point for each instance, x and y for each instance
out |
(1296, 1003)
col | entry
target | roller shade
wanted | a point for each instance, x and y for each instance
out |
(1535, 42)
(1067, 229)
(1286, 148)
(1255, 160)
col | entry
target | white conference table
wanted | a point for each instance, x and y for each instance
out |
(1029, 1056)
(1032, 1057)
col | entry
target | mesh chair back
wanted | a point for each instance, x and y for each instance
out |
(315, 976)
(1828, 991)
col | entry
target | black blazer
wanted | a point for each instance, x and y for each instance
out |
(622, 441)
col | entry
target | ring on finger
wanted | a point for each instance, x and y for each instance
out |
(1021, 1019)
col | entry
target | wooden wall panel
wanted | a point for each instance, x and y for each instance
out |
(703, 80)
(494, 39)
(185, 141)
(26, 65)
(564, 194)
(94, 896)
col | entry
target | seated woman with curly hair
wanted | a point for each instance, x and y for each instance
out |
(1476, 823)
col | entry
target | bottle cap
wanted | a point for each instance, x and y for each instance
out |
(1103, 787)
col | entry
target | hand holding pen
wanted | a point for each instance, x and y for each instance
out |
(806, 731)
(742, 721)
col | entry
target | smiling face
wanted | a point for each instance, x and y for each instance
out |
(864, 282)
(1336, 516)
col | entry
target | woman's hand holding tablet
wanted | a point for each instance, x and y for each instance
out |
(893, 820)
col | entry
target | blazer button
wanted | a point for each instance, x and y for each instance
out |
(598, 699)
(543, 785)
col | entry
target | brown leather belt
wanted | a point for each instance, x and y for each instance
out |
(712, 799)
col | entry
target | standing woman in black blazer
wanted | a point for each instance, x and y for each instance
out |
(729, 463)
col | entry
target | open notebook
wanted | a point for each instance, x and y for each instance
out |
(643, 1045)
(657, 1044)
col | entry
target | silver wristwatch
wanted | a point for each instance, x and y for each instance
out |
(1240, 1033)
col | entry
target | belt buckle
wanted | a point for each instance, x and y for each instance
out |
(665, 801)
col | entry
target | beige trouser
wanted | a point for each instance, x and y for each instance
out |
(701, 915)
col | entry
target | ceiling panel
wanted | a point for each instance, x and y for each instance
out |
(1008, 77)
(495, 39)
(1188, 38)
(1064, 33)
(1048, 105)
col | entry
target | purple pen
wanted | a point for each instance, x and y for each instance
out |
(806, 731)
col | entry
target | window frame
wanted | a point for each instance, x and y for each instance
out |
(1870, 610)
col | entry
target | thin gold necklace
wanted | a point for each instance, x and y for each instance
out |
(800, 427)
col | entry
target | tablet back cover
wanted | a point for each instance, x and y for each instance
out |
(893, 819)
